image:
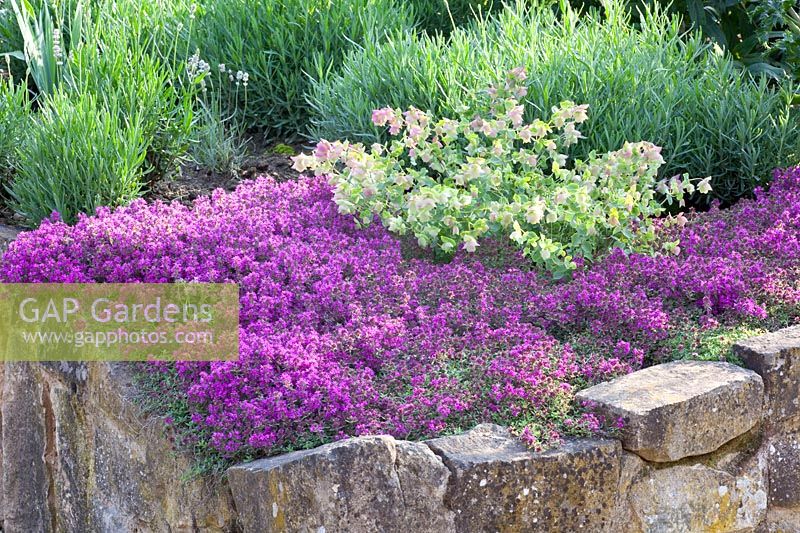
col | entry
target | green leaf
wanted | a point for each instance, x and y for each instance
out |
(16, 55)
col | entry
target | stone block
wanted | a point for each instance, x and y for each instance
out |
(362, 484)
(695, 498)
(497, 484)
(680, 409)
(776, 358)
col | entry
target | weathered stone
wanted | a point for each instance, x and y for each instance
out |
(680, 409)
(79, 456)
(699, 498)
(70, 464)
(784, 466)
(497, 484)
(776, 358)
(783, 520)
(625, 519)
(137, 475)
(27, 442)
(362, 484)
(7, 234)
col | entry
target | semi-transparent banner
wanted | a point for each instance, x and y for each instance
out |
(119, 322)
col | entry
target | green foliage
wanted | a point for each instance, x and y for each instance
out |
(129, 64)
(11, 38)
(452, 182)
(763, 36)
(441, 16)
(116, 64)
(777, 33)
(716, 19)
(39, 44)
(14, 120)
(283, 149)
(710, 343)
(43, 38)
(283, 44)
(219, 143)
(641, 82)
(81, 153)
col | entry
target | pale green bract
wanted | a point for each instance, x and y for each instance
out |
(451, 183)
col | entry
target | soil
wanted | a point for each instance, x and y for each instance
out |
(194, 182)
(7, 217)
(262, 160)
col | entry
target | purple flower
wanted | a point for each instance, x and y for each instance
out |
(341, 334)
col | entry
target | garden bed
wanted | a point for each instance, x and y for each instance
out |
(194, 181)
(425, 320)
(349, 331)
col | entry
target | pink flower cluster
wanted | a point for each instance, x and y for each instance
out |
(344, 332)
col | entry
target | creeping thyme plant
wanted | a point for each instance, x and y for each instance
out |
(341, 335)
(453, 182)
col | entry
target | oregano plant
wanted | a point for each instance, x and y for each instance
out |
(452, 182)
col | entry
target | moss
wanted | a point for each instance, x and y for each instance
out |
(283, 149)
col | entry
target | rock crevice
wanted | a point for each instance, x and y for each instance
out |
(50, 453)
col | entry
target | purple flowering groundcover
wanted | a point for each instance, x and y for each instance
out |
(348, 331)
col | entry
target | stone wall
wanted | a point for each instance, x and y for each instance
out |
(690, 458)
(776, 358)
(77, 456)
(705, 446)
